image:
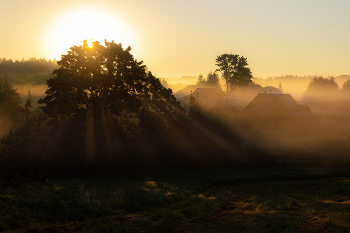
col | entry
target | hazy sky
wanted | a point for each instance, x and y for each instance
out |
(183, 37)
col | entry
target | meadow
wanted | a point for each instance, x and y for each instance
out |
(240, 200)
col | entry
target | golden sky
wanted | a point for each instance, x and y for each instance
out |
(176, 38)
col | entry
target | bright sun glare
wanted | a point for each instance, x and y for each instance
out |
(86, 24)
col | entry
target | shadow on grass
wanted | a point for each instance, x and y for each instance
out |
(273, 200)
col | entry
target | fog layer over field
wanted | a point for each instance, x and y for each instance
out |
(319, 136)
(309, 130)
(36, 91)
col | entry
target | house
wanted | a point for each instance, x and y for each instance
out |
(207, 96)
(279, 112)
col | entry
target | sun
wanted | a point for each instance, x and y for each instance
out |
(76, 26)
(90, 43)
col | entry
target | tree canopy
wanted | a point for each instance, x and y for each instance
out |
(10, 100)
(11, 109)
(346, 85)
(320, 83)
(212, 80)
(321, 88)
(235, 71)
(105, 78)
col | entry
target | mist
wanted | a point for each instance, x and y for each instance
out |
(298, 121)
(319, 136)
(36, 91)
(294, 85)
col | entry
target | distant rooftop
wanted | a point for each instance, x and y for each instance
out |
(206, 91)
(276, 105)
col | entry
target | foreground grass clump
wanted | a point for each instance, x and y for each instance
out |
(260, 200)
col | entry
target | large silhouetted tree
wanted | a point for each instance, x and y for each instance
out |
(234, 70)
(102, 80)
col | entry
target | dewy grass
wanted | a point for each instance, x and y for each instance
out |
(262, 200)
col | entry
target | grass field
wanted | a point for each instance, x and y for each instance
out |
(259, 200)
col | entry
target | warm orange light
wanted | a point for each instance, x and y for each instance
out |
(90, 44)
(86, 24)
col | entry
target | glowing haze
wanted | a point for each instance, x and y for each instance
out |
(176, 38)
(90, 24)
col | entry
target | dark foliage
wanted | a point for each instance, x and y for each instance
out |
(103, 77)
(212, 80)
(11, 109)
(104, 108)
(25, 152)
(234, 70)
(10, 100)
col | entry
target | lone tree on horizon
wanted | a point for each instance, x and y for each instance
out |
(234, 70)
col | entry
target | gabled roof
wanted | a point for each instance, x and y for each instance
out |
(217, 92)
(276, 105)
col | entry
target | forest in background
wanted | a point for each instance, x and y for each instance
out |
(27, 75)
(27, 72)
(291, 84)
(32, 74)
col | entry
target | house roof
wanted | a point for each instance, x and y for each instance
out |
(306, 110)
(276, 105)
(206, 92)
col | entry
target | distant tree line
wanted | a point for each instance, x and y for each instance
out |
(182, 79)
(293, 78)
(32, 71)
(321, 90)
(30, 66)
